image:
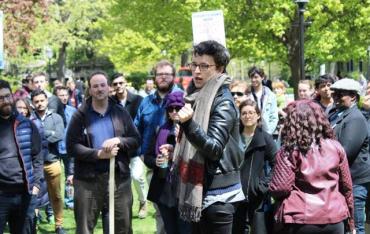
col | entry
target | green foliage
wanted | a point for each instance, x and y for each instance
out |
(340, 30)
(21, 17)
(135, 34)
(137, 79)
(129, 51)
(14, 82)
(289, 90)
(71, 22)
(138, 33)
(256, 30)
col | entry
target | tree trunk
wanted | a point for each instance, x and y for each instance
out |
(62, 57)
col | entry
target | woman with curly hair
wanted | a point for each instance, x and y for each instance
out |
(311, 181)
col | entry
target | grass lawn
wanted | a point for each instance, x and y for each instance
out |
(140, 226)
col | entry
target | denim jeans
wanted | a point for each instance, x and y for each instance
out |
(31, 220)
(68, 200)
(13, 209)
(360, 192)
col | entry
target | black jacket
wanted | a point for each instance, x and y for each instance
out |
(78, 140)
(254, 182)
(220, 145)
(351, 131)
(132, 103)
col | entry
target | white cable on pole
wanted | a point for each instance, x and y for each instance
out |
(111, 195)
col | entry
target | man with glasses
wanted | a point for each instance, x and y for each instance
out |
(131, 103)
(21, 165)
(350, 128)
(208, 156)
(239, 89)
(152, 114)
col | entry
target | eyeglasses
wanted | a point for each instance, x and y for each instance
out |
(164, 75)
(7, 97)
(239, 94)
(173, 108)
(118, 83)
(202, 66)
(249, 113)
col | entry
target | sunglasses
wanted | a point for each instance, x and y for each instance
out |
(239, 94)
(172, 108)
(340, 94)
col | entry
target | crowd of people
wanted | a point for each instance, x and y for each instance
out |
(208, 158)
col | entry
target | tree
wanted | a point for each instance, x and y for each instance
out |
(137, 33)
(71, 27)
(339, 30)
(258, 30)
(20, 18)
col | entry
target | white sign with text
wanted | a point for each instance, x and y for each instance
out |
(208, 25)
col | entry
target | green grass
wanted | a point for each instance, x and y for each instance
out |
(139, 226)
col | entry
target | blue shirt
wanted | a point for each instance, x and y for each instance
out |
(101, 126)
(150, 116)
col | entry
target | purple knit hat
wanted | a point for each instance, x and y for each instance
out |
(175, 99)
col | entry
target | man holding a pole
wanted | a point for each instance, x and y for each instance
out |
(101, 131)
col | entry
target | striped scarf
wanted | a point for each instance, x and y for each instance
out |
(188, 161)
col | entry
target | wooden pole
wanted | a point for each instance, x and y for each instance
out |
(111, 195)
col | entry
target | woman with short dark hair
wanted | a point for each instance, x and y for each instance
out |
(259, 147)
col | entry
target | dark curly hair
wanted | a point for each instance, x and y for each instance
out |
(214, 49)
(305, 123)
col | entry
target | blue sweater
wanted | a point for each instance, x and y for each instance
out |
(150, 116)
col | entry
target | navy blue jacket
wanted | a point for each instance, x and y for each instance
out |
(28, 141)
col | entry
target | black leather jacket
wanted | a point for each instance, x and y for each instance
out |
(220, 145)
